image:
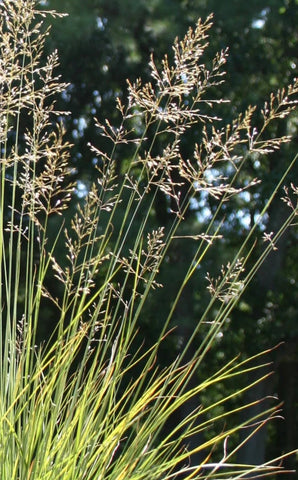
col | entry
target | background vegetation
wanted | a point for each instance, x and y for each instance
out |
(101, 45)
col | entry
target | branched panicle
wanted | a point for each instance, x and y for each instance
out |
(21, 47)
(290, 198)
(144, 265)
(161, 170)
(104, 191)
(43, 177)
(228, 285)
(177, 99)
(281, 104)
(39, 154)
(178, 91)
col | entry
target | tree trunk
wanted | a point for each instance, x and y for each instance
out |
(254, 451)
(287, 431)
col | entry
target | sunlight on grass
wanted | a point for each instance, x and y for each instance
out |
(90, 399)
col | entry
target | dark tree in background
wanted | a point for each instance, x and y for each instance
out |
(102, 43)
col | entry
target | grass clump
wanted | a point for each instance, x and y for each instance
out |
(90, 402)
